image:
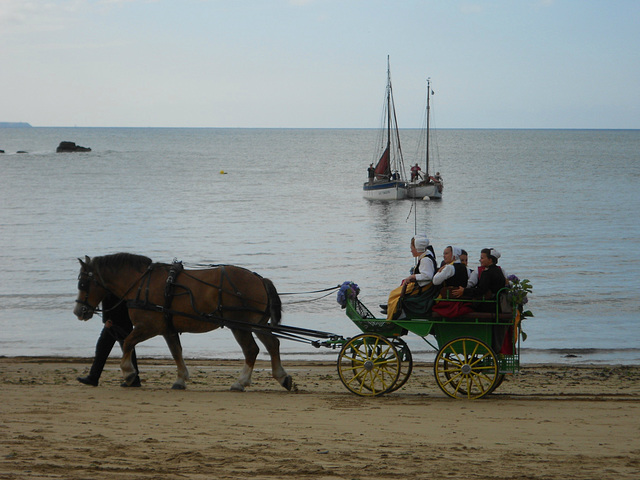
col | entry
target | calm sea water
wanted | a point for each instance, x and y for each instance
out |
(561, 206)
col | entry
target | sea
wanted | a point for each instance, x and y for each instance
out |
(560, 205)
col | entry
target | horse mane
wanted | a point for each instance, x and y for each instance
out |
(117, 261)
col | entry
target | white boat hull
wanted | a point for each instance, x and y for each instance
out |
(385, 190)
(421, 191)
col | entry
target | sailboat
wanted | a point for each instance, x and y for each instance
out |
(429, 186)
(386, 179)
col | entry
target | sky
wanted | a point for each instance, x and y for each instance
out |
(320, 63)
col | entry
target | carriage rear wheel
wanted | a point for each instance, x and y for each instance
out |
(466, 368)
(450, 372)
(406, 363)
(369, 365)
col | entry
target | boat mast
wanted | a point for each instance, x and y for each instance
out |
(388, 107)
(428, 108)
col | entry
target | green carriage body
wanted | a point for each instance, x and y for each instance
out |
(453, 336)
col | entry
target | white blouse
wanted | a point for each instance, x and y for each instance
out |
(426, 270)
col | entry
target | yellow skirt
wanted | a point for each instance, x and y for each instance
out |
(396, 295)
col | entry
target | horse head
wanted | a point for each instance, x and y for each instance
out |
(91, 290)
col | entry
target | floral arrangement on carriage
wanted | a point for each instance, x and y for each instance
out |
(518, 290)
(348, 290)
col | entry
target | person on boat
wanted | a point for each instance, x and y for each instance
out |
(437, 178)
(117, 326)
(371, 172)
(415, 294)
(452, 275)
(415, 172)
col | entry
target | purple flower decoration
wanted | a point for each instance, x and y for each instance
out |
(513, 278)
(347, 290)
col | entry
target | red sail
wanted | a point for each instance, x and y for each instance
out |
(383, 170)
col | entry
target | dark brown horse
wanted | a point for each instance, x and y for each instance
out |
(166, 300)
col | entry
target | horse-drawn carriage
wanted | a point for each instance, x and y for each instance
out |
(474, 352)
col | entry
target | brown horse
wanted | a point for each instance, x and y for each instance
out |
(164, 299)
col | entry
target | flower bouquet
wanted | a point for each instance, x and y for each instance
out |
(347, 290)
(519, 289)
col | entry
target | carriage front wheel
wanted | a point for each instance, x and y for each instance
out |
(369, 365)
(406, 363)
(466, 368)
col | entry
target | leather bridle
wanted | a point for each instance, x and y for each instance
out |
(85, 279)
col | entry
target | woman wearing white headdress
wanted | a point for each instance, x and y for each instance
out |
(491, 278)
(451, 275)
(416, 290)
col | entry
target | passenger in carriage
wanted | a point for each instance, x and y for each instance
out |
(453, 274)
(491, 279)
(464, 259)
(473, 274)
(415, 294)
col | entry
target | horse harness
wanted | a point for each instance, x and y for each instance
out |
(171, 284)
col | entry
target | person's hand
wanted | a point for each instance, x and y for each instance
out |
(457, 292)
(108, 324)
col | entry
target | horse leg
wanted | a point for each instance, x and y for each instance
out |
(137, 335)
(173, 341)
(250, 350)
(277, 371)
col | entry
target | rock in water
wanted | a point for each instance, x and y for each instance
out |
(71, 147)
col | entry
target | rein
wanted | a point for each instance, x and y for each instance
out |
(329, 291)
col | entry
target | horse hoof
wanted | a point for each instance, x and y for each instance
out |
(237, 387)
(178, 386)
(130, 380)
(288, 382)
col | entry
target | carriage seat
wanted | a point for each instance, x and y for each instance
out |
(474, 315)
(505, 306)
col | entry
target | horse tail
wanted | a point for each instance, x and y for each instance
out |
(275, 304)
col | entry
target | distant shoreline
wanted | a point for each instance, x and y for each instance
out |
(15, 125)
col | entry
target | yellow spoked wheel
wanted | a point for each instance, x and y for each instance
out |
(406, 363)
(369, 365)
(466, 368)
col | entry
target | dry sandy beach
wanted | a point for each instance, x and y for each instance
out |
(548, 422)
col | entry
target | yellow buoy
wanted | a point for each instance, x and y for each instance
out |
(222, 172)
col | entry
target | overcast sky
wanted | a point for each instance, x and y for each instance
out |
(320, 63)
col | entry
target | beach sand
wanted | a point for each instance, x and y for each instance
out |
(548, 422)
